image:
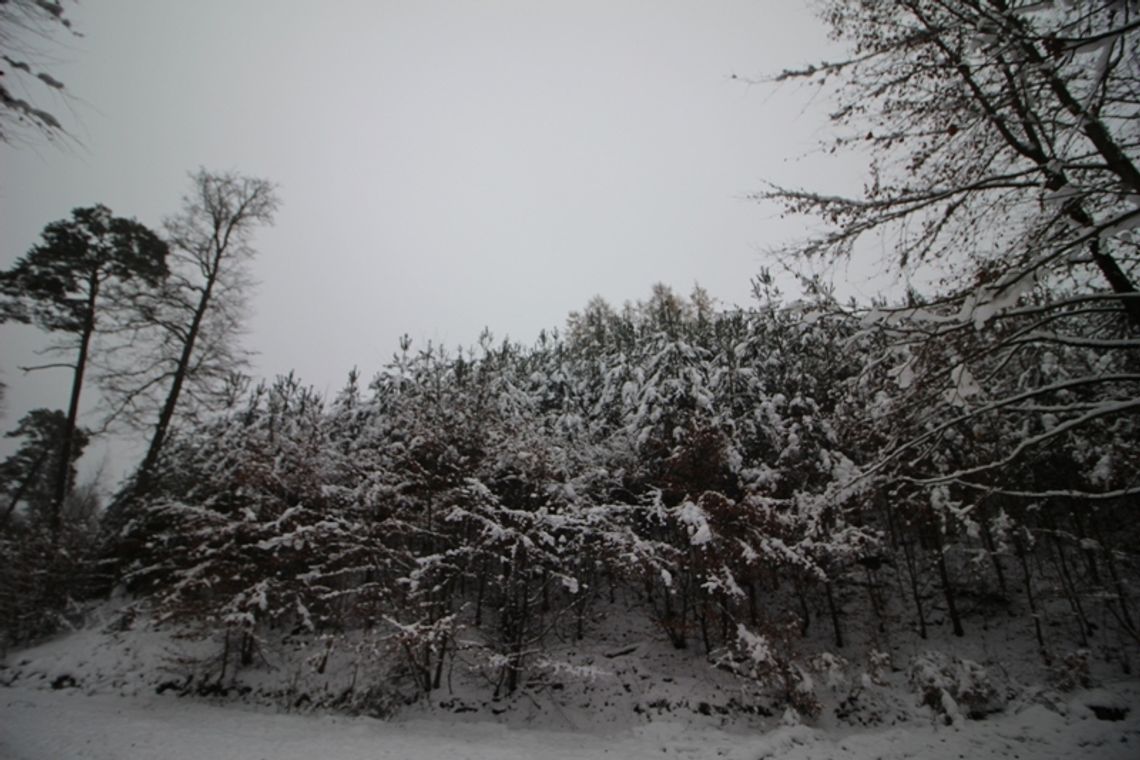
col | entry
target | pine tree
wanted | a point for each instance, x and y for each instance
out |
(68, 284)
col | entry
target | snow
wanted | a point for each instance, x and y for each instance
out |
(904, 374)
(757, 647)
(40, 724)
(990, 301)
(694, 517)
(629, 694)
(1121, 226)
(963, 386)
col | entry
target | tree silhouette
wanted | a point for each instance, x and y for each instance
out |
(197, 316)
(64, 285)
(27, 475)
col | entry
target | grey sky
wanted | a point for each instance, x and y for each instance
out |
(442, 165)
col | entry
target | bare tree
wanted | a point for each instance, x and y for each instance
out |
(1004, 178)
(999, 133)
(185, 352)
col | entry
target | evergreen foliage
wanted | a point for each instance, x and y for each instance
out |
(70, 283)
(42, 572)
(724, 469)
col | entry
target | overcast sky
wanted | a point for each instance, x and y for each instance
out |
(443, 166)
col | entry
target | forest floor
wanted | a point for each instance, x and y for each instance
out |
(111, 690)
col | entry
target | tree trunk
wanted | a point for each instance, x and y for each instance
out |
(805, 611)
(912, 573)
(162, 428)
(1110, 563)
(948, 592)
(991, 549)
(1070, 588)
(704, 613)
(834, 611)
(1019, 546)
(435, 683)
(876, 602)
(752, 606)
(63, 470)
(482, 585)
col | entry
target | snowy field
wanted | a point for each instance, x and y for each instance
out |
(52, 725)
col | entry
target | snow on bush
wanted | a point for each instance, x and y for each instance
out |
(1072, 672)
(954, 687)
(773, 664)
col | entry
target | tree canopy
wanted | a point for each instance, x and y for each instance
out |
(66, 283)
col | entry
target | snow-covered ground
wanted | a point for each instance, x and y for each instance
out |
(40, 724)
(112, 690)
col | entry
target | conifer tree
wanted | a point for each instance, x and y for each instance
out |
(68, 284)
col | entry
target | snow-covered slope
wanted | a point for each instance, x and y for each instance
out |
(122, 688)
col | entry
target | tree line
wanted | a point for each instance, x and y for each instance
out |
(731, 474)
(155, 318)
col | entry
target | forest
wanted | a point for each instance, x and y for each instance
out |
(778, 490)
